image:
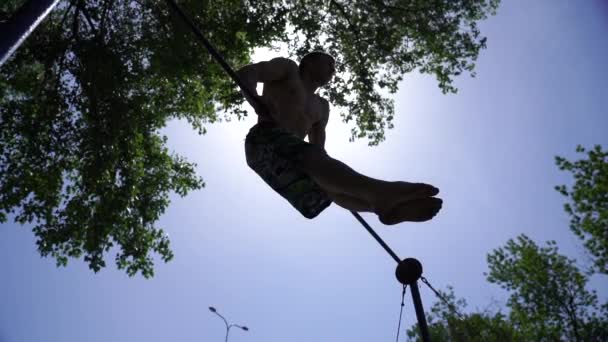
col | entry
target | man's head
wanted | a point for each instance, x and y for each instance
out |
(318, 66)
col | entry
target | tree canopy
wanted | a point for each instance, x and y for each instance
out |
(548, 295)
(83, 100)
(588, 202)
(446, 322)
(548, 299)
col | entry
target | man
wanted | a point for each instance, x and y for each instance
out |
(301, 171)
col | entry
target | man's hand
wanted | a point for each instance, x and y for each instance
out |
(259, 104)
(316, 135)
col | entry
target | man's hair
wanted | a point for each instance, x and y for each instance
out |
(311, 55)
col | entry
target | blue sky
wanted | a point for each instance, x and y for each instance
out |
(238, 246)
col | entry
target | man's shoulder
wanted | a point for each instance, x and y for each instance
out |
(324, 103)
(285, 63)
(286, 60)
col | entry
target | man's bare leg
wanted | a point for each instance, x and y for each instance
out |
(350, 203)
(338, 178)
(394, 202)
(417, 210)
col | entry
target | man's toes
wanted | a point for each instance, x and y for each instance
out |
(430, 211)
(437, 203)
(425, 190)
(434, 205)
(418, 210)
(429, 190)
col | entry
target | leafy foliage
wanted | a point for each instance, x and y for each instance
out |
(588, 202)
(81, 105)
(446, 323)
(83, 100)
(379, 41)
(549, 300)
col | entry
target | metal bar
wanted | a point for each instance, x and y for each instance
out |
(415, 292)
(424, 329)
(442, 298)
(214, 52)
(377, 237)
(238, 81)
(21, 24)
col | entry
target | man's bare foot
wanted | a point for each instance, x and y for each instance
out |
(413, 190)
(416, 210)
(393, 193)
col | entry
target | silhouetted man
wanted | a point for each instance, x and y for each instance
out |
(302, 172)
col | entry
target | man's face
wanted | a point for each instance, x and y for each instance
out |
(328, 68)
(322, 69)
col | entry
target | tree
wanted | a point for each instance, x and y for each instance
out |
(548, 301)
(548, 296)
(588, 202)
(379, 41)
(447, 323)
(83, 100)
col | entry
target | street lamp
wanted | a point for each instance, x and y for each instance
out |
(228, 325)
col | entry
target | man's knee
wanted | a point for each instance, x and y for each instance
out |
(313, 155)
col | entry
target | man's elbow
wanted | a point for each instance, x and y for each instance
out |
(247, 72)
(321, 144)
(248, 76)
(318, 140)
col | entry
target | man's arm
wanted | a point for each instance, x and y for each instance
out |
(316, 135)
(272, 70)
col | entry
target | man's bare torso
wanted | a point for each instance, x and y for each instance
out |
(293, 107)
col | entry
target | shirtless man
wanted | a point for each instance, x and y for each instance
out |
(301, 171)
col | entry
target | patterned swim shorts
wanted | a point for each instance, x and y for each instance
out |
(274, 154)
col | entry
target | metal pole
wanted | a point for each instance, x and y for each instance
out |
(376, 236)
(424, 330)
(21, 24)
(218, 57)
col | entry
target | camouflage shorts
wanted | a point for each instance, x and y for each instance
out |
(274, 154)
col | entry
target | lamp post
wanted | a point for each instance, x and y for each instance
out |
(228, 325)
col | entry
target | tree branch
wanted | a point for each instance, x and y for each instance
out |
(102, 21)
(65, 15)
(85, 12)
(75, 25)
(351, 26)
